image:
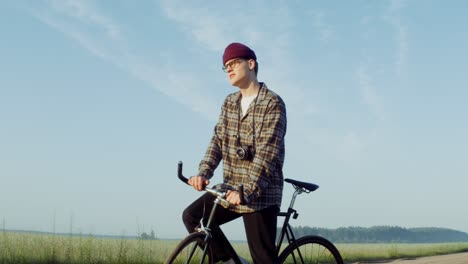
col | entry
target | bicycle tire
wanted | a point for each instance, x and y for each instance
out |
(311, 249)
(190, 251)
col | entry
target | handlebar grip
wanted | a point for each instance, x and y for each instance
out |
(179, 173)
(241, 194)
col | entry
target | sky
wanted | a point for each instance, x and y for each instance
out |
(99, 100)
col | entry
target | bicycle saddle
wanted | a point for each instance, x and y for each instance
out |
(310, 187)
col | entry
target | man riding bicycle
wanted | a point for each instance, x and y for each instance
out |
(249, 139)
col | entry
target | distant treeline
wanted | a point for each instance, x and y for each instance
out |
(384, 234)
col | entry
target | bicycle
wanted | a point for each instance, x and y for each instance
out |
(195, 248)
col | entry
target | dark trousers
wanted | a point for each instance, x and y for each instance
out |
(260, 228)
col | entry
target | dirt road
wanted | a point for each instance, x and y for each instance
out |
(459, 258)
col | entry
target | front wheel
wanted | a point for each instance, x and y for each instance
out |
(191, 250)
(311, 249)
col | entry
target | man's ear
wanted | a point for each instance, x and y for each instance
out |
(252, 64)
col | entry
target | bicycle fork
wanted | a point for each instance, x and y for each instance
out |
(208, 237)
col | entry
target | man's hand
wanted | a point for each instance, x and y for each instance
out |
(233, 197)
(198, 182)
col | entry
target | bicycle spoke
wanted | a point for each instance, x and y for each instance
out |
(311, 250)
(189, 251)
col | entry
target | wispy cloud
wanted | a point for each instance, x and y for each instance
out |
(368, 92)
(321, 25)
(402, 45)
(396, 5)
(81, 22)
(401, 35)
(352, 142)
(102, 36)
(86, 12)
(205, 25)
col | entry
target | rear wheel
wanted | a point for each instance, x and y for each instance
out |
(311, 249)
(191, 251)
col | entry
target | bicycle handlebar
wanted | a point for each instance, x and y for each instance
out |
(212, 191)
(179, 173)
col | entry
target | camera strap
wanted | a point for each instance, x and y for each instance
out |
(253, 120)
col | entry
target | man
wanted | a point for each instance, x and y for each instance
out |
(249, 139)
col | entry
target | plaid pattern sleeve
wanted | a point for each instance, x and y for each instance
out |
(263, 127)
(213, 154)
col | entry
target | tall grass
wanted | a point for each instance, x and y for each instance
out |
(39, 248)
(58, 249)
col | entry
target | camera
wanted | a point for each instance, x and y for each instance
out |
(245, 153)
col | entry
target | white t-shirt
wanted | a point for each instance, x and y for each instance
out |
(245, 103)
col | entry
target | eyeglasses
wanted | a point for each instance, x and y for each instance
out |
(233, 64)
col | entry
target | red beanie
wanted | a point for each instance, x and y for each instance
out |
(238, 50)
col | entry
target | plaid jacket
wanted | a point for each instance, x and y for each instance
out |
(262, 177)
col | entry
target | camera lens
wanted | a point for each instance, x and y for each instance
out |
(241, 153)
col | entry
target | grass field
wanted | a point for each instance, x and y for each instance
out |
(366, 252)
(37, 249)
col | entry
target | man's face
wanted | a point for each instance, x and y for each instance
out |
(237, 70)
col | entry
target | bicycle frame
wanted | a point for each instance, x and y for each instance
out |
(286, 230)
